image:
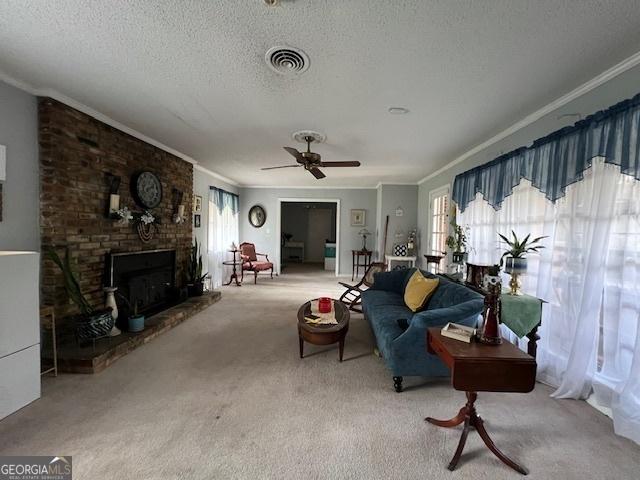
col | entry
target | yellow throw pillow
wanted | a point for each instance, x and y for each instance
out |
(418, 290)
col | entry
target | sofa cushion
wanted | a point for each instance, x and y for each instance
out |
(380, 298)
(418, 290)
(393, 281)
(450, 293)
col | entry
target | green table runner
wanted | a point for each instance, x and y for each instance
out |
(521, 313)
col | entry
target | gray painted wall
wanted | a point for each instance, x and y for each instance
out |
(267, 239)
(390, 198)
(201, 183)
(20, 227)
(619, 88)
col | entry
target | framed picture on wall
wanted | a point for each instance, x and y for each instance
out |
(196, 221)
(357, 218)
(197, 204)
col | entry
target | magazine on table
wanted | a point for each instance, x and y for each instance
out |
(458, 332)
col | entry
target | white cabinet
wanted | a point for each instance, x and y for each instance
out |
(19, 330)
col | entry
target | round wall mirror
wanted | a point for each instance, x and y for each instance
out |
(257, 216)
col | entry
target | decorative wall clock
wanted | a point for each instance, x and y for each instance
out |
(146, 189)
(257, 216)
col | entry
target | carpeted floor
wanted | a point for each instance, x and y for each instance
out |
(225, 396)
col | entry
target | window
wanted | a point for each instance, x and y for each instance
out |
(439, 224)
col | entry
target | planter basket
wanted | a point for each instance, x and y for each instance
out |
(96, 326)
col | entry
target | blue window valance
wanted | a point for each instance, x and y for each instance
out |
(223, 199)
(556, 161)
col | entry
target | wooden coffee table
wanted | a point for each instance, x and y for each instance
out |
(323, 334)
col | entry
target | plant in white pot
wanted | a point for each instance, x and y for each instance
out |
(515, 260)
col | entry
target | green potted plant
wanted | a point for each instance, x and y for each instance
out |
(90, 324)
(514, 257)
(135, 321)
(195, 277)
(458, 242)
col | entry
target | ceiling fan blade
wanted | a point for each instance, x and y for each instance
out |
(281, 166)
(340, 164)
(295, 153)
(317, 173)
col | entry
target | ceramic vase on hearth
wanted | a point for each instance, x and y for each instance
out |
(111, 303)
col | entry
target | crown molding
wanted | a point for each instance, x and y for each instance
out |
(380, 184)
(308, 187)
(586, 87)
(211, 173)
(48, 92)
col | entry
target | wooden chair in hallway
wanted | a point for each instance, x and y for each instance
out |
(351, 297)
(251, 263)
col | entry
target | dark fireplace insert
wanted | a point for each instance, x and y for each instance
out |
(146, 279)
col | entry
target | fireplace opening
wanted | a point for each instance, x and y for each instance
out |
(146, 279)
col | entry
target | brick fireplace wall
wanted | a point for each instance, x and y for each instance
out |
(77, 152)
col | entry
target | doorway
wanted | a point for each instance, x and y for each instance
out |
(309, 235)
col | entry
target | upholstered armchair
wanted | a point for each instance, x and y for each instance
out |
(251, 263)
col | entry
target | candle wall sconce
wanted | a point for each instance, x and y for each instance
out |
(114, 197)
(178, 207)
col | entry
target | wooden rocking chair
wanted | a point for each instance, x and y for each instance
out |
(351, 297)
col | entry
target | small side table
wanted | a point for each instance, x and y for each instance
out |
(234, 263)
(476, 367)
(356, 265)
(391, 258)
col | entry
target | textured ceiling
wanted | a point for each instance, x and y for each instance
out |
(191, 74)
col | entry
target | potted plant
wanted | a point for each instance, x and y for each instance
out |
(135, 321)
(90, 323)
(458, 242)
(195, 277)
(514, 257)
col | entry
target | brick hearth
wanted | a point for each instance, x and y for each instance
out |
(73, 358)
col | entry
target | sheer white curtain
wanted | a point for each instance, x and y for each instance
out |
(589, 273)
(223, 231)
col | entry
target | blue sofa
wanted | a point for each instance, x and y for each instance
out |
(401, 334)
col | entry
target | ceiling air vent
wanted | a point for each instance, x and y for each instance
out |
(287, 60)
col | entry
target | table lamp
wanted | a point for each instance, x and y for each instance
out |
(363, 233)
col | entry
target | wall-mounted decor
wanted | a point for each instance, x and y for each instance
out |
(178, 206)
(3, 163)
(197, 204)
(114, 196)
(358, 218)
(399, 212)
(257, 216)
(146, 189)
(196, 221)
(146, 225)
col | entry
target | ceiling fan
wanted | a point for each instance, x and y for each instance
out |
(312, 161)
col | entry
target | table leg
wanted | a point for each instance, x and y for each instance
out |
(532, 345)
(471, 418)
(463, 439)
(341, 346)
(301, 346)
(454, 422)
